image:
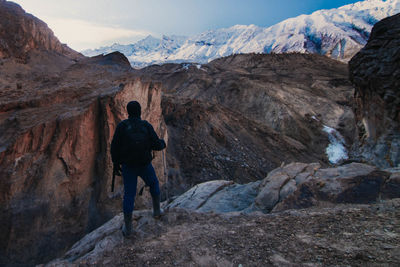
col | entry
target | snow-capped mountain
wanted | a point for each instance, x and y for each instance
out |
(337, 33)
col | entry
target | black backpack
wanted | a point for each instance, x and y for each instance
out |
(136, 143)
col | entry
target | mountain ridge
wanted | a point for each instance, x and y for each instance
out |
(338, 33)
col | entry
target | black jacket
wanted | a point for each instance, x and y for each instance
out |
(117, 145)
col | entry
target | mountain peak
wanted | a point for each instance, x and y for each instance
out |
(338, 33)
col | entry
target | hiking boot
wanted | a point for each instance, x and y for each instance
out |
(127, 227)
(157, 212)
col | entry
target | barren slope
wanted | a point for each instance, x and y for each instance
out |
(239, 117)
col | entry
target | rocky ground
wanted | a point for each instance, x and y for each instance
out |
(344, 235)
(220, 223)
(238, 117)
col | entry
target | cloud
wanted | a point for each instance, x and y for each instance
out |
(81, 34)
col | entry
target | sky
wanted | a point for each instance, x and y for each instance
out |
(84, 24)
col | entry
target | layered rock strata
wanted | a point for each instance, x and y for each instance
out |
(375, 72)
(55, 166)
(21, 33)
(294, 186)
(239, 117)
(58, 112)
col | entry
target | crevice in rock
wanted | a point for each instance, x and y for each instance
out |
(215, 192)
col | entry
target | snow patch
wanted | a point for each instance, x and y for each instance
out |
(185, 66)
(337, 33)
(336, 150)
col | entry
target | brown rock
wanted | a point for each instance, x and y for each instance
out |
(55, 132)
(375, 73)
(351, 183)
(269, 194)
(391, 189)
(244, 115)
(20, 33)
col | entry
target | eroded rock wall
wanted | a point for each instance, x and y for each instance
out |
(55, 165)
(21, 32)
(239, 117)
(375, 72)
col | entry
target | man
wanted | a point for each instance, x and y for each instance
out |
(131, 152)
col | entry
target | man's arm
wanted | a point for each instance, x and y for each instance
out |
(156, 143)
(116, 144)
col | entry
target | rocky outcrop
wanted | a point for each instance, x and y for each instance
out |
(20, 33)
(239, 117)
(347, 234)
(57, 119)
(294, 186)
(221, 218)
(58, 112)
(375, 72)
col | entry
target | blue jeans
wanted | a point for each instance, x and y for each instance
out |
(130, 174)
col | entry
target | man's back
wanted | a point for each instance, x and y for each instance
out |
(133, 141)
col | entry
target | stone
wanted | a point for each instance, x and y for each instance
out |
(232, 198)
(197, 196)
(294, 168)
(374, 73)
(287, 189)
(350, 183)
(391, 189)
(268, 196)
(345, 171)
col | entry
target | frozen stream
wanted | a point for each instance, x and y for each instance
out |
(336, 150)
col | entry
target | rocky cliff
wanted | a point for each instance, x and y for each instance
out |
(21, 33)
(375, 72)
(54, 161)
(239, 117)
(58, 112)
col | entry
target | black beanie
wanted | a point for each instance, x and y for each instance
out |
(134, 109)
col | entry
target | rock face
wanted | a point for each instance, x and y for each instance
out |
(345, 234)
(55, 166)
(239, 117)
(294, 186)
(21, 32)
(57, 118)
(375, 72)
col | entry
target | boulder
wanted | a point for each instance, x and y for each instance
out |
(198, 195)
(375, 73)
(294, 186)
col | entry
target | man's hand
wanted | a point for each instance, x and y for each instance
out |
(117, 169)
